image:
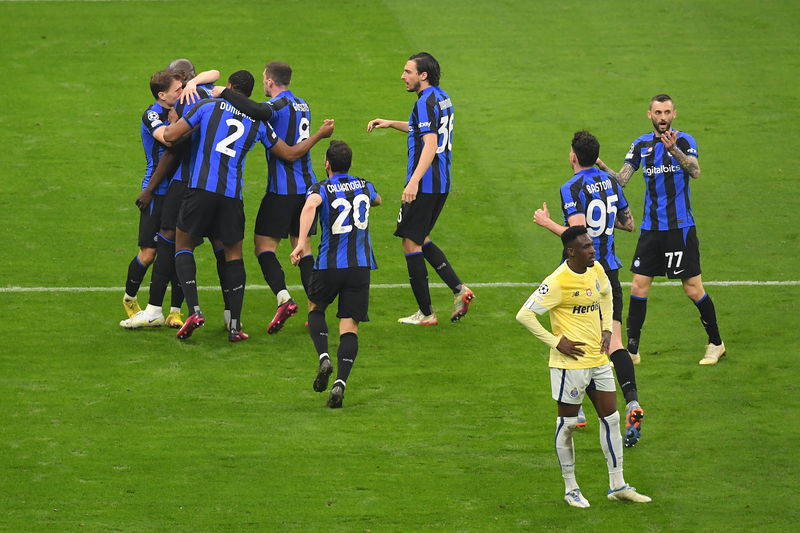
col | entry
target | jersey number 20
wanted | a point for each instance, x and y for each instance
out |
(360, 220)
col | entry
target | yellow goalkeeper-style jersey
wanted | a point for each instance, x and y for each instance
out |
(574, 301)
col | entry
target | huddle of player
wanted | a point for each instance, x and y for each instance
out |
(196, 137)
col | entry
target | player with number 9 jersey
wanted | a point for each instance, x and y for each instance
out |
(226, 135)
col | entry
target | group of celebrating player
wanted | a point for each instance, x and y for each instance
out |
(196, 137)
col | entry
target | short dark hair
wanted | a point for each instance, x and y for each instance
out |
(586, 148)
(280, 72)
(242, 82)
(161, 82)
(184, 67)
(340, 156)
(571, 234)
(427, 63)
(660, 98)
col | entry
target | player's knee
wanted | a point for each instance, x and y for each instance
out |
(147, 256)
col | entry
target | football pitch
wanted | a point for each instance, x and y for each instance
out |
(447, 428)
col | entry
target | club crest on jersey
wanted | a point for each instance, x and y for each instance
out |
(589, 293)
(573, 393)
(543, 289)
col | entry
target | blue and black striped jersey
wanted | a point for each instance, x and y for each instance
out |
(433, 113)
(598, 196)
(188, 149)
(344, 218)
(226, 135)
(152, 119)
(666, 195)
(292, 123)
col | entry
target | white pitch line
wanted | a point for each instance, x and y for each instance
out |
(393, 286)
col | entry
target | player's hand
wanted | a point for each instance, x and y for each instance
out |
(605, 342)
(189, 93)
(410, 192)
(217, 92)
(296, 255)
(173, 116)
(143, 200)
(570, 348)
(600, 164)
(326, 130)
(542, 216)
(377, 124)
(669, 138)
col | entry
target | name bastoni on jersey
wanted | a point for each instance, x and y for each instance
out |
(345, 187)
(592, 188)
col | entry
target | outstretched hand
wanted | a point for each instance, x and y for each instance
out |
(542, 216)
(669, 138)
(326, 130)
(377, 124)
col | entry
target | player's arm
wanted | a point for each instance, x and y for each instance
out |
(293, 153)
(306, 219)
(167, 165)
(174, 133)
(688, 163)
(624, 220)
(379, 123)
(542, 217)
(622, 177)
(377, 201)
(189, 91)
(258, 111)
(606, 310)
(430, 145)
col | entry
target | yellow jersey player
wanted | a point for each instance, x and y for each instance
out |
(575, 295)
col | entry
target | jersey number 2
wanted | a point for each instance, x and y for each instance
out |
(224, 146)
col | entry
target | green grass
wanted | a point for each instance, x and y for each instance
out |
(447, 428)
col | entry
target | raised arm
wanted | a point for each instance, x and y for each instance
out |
(189, 92)
(624, 220)
(379, 123)
(262, 112)
(688, 163)
(622, 177)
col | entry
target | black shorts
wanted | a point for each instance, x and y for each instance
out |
(279, 216)
(351, 285)
(416, 220)
(208, 214)
(674, 253)
(616, 293)
(150, 222)
(172, 204)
